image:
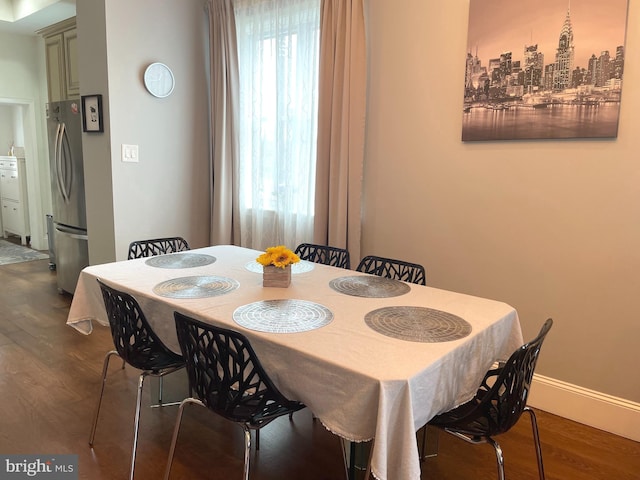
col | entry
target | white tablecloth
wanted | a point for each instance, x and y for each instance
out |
(360, 384)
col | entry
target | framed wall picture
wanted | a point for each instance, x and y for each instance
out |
(544, 70)
(92, 113)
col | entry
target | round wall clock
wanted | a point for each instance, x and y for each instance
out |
(158, 80)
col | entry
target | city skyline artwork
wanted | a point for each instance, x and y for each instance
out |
(545, 70)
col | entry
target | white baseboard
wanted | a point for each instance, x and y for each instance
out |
(598, 410)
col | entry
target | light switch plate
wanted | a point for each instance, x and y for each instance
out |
(130, 153)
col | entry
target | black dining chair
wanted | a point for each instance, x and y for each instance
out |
(138, 346)
(499, 402)
(392, 268)
(324, 254)
(156, 246)
(227, 378)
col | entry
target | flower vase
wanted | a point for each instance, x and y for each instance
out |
(273, 276)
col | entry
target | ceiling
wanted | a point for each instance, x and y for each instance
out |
(54, 12)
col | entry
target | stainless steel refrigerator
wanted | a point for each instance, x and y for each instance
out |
(68, 193)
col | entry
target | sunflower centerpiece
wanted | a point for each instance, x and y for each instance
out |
(276, 266)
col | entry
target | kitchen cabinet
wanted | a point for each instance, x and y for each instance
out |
(13, 198)
(61, 42)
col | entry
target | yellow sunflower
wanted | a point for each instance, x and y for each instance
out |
(279, 256)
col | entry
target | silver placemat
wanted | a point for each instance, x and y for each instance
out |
(282, 316)
(180, 260)
(417, 324)
(300, 267)
(369, 286)
(195, 287)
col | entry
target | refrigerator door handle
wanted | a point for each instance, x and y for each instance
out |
(55, 146)
(57, 161)
(63, 165)
(71, 232)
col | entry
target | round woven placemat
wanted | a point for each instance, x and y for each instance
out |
(282, 316)
(300, 267)
(369, 286)
(417, 324)
(195, 287)
(180, 260)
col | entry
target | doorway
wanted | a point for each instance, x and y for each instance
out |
(21, 115)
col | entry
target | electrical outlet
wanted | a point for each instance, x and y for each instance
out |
(130, 153)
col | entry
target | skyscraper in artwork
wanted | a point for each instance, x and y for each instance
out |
(564, 56)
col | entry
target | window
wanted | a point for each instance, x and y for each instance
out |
(278, 45)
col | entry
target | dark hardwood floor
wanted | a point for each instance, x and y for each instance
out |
(49, 380)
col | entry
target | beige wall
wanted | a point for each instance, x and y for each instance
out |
(166, 193)
(20, 67)
(96, 147)
(550, 227)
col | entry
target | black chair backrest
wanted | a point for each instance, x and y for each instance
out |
(337, 257)
(134, 340)
(226, 375)
(391, 268)
(156, 246)
(503, 394)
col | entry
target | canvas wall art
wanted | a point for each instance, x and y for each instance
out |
(550, 69)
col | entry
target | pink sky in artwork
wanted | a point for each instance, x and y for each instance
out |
(497, 26)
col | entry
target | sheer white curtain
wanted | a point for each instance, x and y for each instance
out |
(278, 45)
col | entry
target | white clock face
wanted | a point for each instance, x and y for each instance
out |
(158, 79)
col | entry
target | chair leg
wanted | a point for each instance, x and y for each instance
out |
(499, 457)
(349, 459)
(136, 423)
(247, 450)
(432, 452)
(352, 461)
(368, 474)
(176, 430)
(345, 460)
(160, 376)
(536, 439)
(105, 367)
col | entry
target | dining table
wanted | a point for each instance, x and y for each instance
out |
(374, 359)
